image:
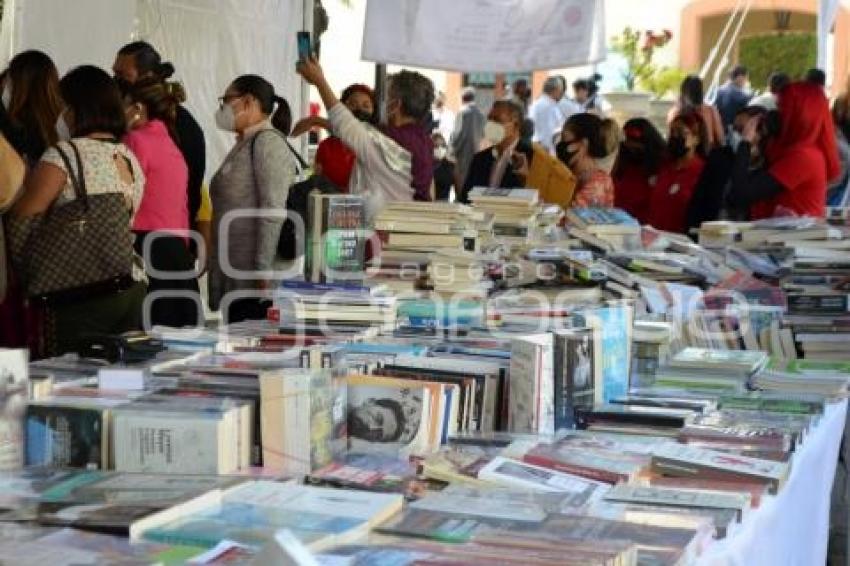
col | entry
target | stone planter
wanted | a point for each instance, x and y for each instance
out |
(625, 105)
(658, 110)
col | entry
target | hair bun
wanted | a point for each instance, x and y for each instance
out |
(176, 91)
(165, 70)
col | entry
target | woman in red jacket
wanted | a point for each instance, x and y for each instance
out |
(800, 162)
(637, 167)
(686, 152)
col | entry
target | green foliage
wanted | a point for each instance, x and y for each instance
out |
(664, 81)
(792, 53)
(638, 49)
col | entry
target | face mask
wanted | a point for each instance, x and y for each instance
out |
(440, 153)
(363, 116)
(63, 132)
(494, 132)
(7, 93)
(225, 118)
(564, 153)
(677, 147)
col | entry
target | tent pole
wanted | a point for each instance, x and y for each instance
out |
(381, 89)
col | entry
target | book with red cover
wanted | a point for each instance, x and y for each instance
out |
(600, 465)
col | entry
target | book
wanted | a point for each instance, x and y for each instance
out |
(390, 415)
(370, 472)
(742, 361)
(303, 419)
(532, 395)
(336, 241)
(182, 435)
(62, 435)
(612, 348)
(603, 220)
(595, 464)
(670, 497)
(251, 513)
(819, 303)
(441, 526)
(687, 461)
(574, 374)
(14, 384)
(492, 503)
(513, 473)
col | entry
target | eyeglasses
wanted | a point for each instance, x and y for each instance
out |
(222, 100)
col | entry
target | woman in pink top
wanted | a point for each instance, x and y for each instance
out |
(161, 223)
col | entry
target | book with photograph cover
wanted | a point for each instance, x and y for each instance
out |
(574, 374)
(13, 399)
(65, 436)
(514, 473)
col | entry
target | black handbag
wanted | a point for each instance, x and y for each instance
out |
(75, 250)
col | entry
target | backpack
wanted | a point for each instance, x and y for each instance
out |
(296, 203)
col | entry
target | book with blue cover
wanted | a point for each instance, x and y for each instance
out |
(612, 328)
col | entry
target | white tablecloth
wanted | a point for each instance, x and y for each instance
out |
(791, 528)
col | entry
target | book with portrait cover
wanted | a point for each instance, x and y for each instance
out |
(391, 416)
(574, 374)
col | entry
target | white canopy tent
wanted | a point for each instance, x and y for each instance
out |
(210, 42)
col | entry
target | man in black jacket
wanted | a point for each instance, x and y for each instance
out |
(506, 163)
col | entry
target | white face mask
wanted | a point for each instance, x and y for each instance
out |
(225, 118)
(494, 132)
(7, 93)
(63, 132)
(440, 153)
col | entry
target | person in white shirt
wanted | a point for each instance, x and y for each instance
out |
(443, 117)
(547, 116)
(567, 105)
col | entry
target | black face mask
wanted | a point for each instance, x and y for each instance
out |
(364, 116)
(677, 147)
(562, 150)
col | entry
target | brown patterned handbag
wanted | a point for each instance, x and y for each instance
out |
(76, 250)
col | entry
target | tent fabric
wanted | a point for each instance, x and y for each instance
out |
(827, 12)
(209, 42)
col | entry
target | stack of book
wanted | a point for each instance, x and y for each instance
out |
(710, 370)
(516, 212)
(428, 227)
(454, 273)
(651, 349)
(612, 225)
(311, 308)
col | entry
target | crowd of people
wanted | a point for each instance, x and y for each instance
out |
(128, 136)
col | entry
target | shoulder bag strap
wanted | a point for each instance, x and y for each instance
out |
(77, 179)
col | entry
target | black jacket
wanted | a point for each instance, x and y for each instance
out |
(482, 165)
(193, 147)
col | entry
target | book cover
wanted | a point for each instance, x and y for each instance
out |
(532, 386)
(679, 498)
(513, 473)
(599, 465)
(574, 374)
(336, 243)
(66, 437)
(14, 384)
(489, 502)
(441, 526)
(612, 348)
(383, 418)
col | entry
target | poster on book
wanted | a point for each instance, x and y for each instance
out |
(485, 35)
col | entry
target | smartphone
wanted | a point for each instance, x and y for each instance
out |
(305, 46)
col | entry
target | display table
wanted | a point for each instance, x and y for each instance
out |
(791, 528)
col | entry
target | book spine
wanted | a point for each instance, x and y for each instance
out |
(821, 304)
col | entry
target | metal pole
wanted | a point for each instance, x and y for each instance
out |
(381, 90)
